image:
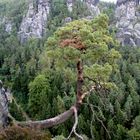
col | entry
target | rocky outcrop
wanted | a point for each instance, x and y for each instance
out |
(7, 24)
(8, 27)
(128, 22)
(93, 8)
(33, 23)
(5, 97)
(70, 4)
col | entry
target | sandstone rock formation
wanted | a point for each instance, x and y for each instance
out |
(33, 23)
(7, 24)
(128, 22)
(4, 99)
(70, 4)
(93, 8)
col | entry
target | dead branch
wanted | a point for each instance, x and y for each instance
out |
(91, 107)
(75, 126)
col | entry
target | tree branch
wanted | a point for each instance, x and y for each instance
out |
(75, 126)
(49, 122)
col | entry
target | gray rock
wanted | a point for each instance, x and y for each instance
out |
(33, 23)
(137, 41)
(119, 2)
(8, 27)
(69, 5)
(7, 24)
(4, 99)
(123, 23)
(93, 8)
(137, 26)
(68, 19)
(127, 22)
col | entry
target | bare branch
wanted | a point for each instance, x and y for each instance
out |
(103, 126)
(75, 126)
(91, 106)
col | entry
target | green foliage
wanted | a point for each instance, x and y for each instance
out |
(13, 11)
(108, 9)
(80, 10)
(16, 112)
(92, 41)
(59, 12)
(38, 97)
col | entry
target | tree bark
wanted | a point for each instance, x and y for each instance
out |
(48, 122)
(79, 83)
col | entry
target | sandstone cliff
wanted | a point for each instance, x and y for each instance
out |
(33, 23)
(128, 22)
(5, 97)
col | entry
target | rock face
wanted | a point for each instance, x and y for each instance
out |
(70, 4)
(33, 23)
(128, 22)
(93, 8)
(8, 27)
(7, 24)
(4, 99)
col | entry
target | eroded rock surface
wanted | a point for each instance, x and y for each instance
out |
(93, 8)
(5, 97)
(33, 23)
(128, 22)
(7, 24)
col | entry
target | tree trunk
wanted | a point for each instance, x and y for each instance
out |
(79, 83)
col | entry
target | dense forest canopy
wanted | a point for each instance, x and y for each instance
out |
(76, 65)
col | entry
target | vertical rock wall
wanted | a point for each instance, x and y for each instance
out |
(128, 22)
(4, 99)
(33, 23)
(93, 8)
